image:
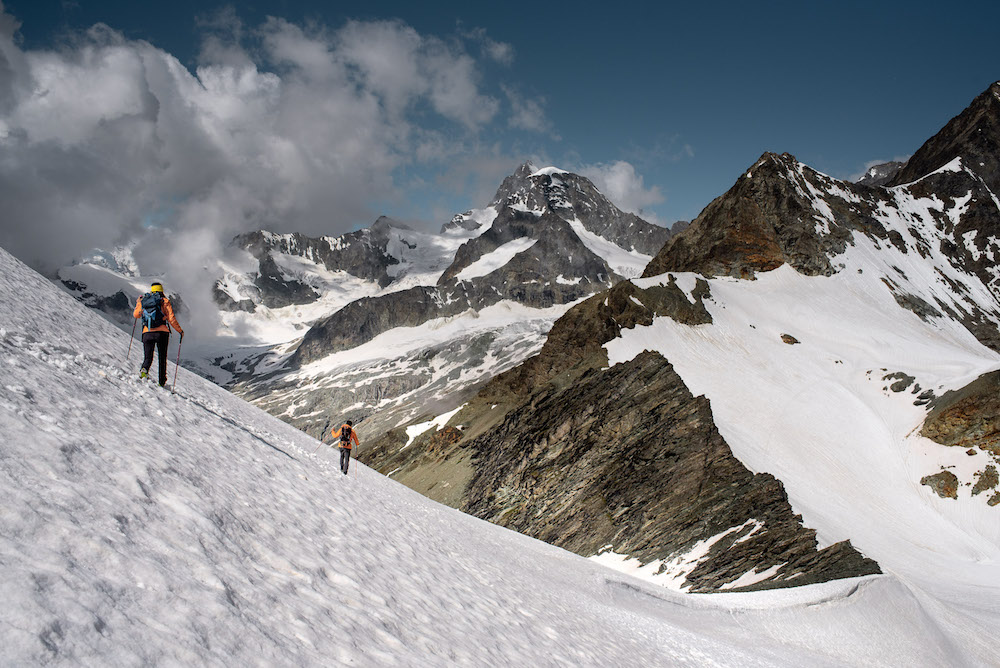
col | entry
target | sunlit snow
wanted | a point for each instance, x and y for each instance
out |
(145, 527)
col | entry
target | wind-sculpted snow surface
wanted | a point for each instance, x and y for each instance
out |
(145, 527)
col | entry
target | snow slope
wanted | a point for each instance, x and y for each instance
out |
(140, 526)
(820, 414)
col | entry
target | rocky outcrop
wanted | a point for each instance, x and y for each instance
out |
(968, 418)
(627, 459)
(765, 220)
(945, 484)
(586, 457)
(117, 306)
(364, 319)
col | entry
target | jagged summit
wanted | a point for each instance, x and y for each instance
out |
(881, 174)
(765, 220)
(973, 135)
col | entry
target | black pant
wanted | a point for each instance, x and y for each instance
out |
(345, 459)
(159, 341)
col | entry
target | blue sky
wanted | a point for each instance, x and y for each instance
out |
(662, 105)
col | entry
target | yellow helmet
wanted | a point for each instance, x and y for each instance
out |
(156, 287)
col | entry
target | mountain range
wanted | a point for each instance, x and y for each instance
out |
(712, 403)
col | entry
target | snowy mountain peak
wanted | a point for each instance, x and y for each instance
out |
(881, 174)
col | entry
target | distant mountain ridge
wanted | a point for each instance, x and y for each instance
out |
(538, 244)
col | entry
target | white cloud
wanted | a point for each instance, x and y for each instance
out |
(104, 140)
(499, 52)
(526, 114)
(621, 184)
(299, 130)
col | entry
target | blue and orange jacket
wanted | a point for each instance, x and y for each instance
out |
(168, 314)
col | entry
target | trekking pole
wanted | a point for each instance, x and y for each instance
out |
(318, 447)
(177, 365)
(130, 338)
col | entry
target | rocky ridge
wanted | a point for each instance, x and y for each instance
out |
(546, 449)
(556, 265)
(595, 458)
(365, 254)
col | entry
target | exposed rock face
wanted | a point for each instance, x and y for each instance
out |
(585, 457)
(555, 266)
(362, 254)
(765, 220)
(642, 468)
(117, 306)
(968, 418)
(781, 211)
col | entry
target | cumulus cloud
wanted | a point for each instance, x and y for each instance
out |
(106, 139)
(526, 113)
(621, 184)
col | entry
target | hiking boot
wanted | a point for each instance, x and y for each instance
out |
(143, 374)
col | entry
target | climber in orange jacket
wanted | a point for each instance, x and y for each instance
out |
(346, 434)
(157, 318)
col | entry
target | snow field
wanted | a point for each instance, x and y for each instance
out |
(141, 526)
(819, 416)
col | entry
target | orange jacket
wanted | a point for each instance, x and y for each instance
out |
(168, 312)
(342, 444)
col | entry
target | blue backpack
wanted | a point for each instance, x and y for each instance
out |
(152, 311)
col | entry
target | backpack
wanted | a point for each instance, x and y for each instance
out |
(152, 311)
(345, 434)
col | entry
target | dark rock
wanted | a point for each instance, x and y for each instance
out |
(627, 457)
(986, 479)
(276, 291)
(789, 339)
(762, 222)
(364, 319)
(902, 381)
(968, 417)
(944, 483)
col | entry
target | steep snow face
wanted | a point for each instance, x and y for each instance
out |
(141, 526)
(490, 262)
(823, 410)
(628, 264)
